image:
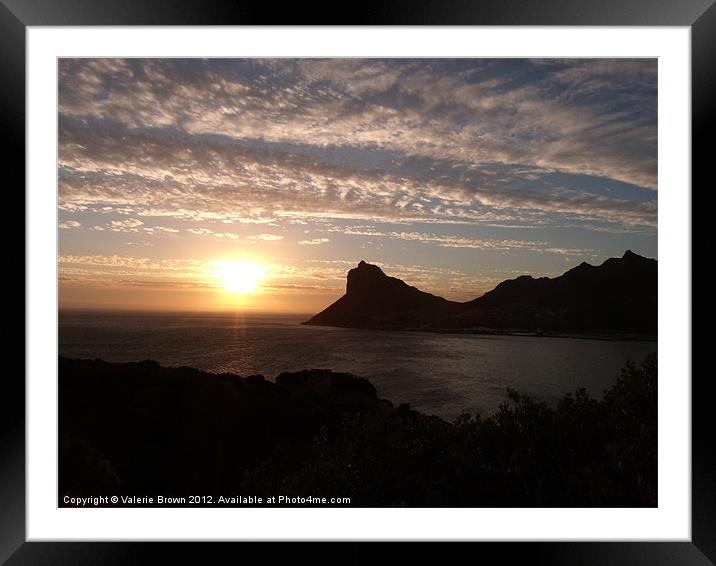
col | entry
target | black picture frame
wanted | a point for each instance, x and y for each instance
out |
(17, 15)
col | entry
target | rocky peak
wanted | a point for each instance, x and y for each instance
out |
(364, 277)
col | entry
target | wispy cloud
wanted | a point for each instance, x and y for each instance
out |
(451, 241)
(203, 181)
(577, 116)
(266, 237)
(314, 242)
(329, 159)
(129, 225)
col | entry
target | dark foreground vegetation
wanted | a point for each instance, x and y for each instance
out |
(143, 430)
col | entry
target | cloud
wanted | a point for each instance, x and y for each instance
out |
(589, 117)
(197, 180)
(453, 154)
(166, 229)
(314, 242)
(266, 237)
(451, 241)
(129, 225)
(208, 232)
(128, 261)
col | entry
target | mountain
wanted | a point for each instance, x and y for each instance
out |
(375, 300)
(618, 296)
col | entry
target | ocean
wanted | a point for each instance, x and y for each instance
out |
(440, 374)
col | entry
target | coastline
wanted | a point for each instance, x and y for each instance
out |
(497, 332)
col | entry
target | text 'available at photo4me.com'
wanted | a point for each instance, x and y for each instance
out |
(201, 501)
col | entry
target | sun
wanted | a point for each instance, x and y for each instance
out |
(238, 277)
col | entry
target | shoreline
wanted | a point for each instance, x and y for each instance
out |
(497, 332)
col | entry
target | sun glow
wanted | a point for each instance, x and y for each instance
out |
(238, 277)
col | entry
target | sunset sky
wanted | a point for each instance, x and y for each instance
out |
(257, 184)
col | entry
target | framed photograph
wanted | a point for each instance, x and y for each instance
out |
(427, 278)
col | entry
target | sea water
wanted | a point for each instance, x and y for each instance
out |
(440, 374)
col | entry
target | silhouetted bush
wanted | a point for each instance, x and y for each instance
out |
(142, 429)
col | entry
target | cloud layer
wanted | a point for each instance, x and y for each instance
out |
(338, 156)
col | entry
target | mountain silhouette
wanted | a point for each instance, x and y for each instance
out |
(375, 300)
(618, 296)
